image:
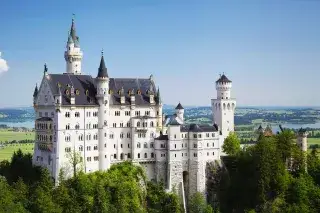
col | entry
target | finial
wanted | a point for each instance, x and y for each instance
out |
(102, 52)
(45, 67)
(222, 73)
(73, 16)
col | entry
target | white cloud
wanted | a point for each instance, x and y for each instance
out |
(3, 65)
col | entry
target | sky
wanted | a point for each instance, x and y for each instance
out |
(269, 49)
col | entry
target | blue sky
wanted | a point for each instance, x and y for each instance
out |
(269, 49)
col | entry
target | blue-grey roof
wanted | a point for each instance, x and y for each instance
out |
(223, 79)
(102, 71)
(85, 89)
(199, 128)
(179, 106)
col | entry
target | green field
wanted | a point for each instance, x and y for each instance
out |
(8, 135)
(7, 151)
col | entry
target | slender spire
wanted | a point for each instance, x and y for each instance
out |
(35, 93)
(179, 106)
(158, 96)
(102, 71)
(73, 32)
(70, 40)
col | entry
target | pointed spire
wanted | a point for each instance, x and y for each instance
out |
(70, 40)
(159, 96)
(102, 71)
(179, 106)
(35, 93)
(73, 32)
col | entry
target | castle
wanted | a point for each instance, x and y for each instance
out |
(103, 121)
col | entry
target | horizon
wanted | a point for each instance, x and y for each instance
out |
(268, 49)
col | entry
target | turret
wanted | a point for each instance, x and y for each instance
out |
(102, 83)
(302, 140)
(73, 54)
(35, 94)
(180, 112)
(223, 107)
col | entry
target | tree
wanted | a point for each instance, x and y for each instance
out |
(197, 204)
(75, 160)
(231, 145)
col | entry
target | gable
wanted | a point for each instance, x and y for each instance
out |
(45, 96)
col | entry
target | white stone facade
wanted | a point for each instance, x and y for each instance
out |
(105, 124)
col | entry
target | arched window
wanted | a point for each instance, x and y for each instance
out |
(145, 155)
(138, 145)
(138, 155)
(145, 145)
(121, 156)
(151, 123)
(138, 124)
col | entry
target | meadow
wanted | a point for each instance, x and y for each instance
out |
(7, 135)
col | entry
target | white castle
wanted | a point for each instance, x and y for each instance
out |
(110, 120)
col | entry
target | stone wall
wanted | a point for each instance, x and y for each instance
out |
(197, 178)
(175, 173)
(161, 171)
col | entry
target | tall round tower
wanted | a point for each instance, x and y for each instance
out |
(102, 82)
(302, 140)
(73, 54)
(223, 106)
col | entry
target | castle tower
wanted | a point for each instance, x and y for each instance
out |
(180, 112)
(223, 106)
(302, 139)
(73, 54)
(102, 82)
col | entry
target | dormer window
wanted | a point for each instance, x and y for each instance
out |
(67, 92)
(129, 92)
(68, 85)
(58, 84)
(139, 92)
(77, 92)
(110, 91)
(87, 92)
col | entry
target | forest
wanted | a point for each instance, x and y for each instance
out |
(273, 176)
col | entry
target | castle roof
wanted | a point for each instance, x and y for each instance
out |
(223, 79)
(35, 93)
(85, 89)
(198, 128)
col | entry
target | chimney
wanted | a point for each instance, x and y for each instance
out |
(72, 96)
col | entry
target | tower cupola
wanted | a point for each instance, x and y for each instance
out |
(223, 86)
(73, 54)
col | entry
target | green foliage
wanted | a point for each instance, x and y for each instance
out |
(231, 145)
(269, 177)
(198, 204)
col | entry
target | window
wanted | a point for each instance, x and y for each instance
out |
(138, 155)
(152, 155)
(151, 145)
(88, 148)
(147, 113)
(114, 124)
(138, 124)
(175, 136)
(117, 113)
(121, 146)
(212, 153)
(77, 114)
(175, 155)
(128, 145)
(88, 159)
(194, 135)
(95, 147)
(121, 124)
(212, 144)
(138, 145)
(194, 145)
(129, 155)
(111, 136)
(128, 135)
(114, 156)
(207, 153)
(175, 146)
(199, 135)
(137, 113)
(207, 144)
(121, 156)
(145, 155)
(77, 126)
(151, 135)
(195, 154)
(67, 114)
(96, 158)
(127, 113)
(67, 149)
(67, 138)
(68, 126)
(145, 145)
(114, 146)
(121, 135)
(128, 124)
(151, 123)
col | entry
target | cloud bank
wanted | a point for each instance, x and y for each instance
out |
(3, 65)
